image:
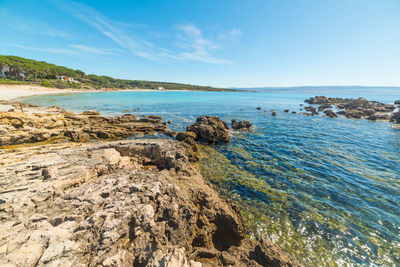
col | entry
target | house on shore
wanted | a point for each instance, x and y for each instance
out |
(160, 88)
(65, 79)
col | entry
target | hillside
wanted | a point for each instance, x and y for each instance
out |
(17, 69)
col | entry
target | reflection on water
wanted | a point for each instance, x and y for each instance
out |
(326, 190)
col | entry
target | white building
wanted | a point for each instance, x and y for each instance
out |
(160, 88)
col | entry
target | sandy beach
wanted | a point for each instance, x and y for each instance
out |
(11, 91)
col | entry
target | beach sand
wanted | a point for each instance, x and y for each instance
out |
(12, 91)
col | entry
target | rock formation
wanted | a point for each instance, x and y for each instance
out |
(353, 108)
(241, 125)
(121, 203)
(210, 128)
(38, 125)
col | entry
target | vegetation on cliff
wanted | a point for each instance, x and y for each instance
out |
(30, 70)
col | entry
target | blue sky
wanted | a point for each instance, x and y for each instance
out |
(219, 43)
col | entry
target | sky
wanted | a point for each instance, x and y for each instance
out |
(224, 43)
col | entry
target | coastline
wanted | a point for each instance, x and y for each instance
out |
(73, 186)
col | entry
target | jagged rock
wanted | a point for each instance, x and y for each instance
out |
(395, 117)
(122, 203)
(312, 110)
(286, 111)
(90, 113)
(259, 108)
(273, 113)
(368, 112)
(241, 125)
(397, 102)
(354, 108)
(182, 135)
(210, 128)
(329, 113)
(317, 100)
(39, 124)
(323, 107)
(188, 137)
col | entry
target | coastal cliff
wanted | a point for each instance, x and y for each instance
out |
(136, 202)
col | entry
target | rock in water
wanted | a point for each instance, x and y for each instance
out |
(329, 113)
(210, 128)
(241, 125)
(395, 117)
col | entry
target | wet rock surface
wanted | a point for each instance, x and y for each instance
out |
(210, 128)
(121, 203)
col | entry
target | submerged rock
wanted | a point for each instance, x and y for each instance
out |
(241, 125)
(210, 128)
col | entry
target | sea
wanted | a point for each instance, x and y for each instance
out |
(326, 190)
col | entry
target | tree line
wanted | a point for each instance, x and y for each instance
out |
(43, 72)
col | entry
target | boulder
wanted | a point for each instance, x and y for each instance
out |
(312, 110)
(329, 113)
(210, 128)
(368, 112)
(286, 111)
(395, 117)
(317, 100)
(397, 102)
(273, 113)
(323, 107)
(241, 125)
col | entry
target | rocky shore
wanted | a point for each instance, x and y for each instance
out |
(351, 108)
(359, 108)
(73, 197)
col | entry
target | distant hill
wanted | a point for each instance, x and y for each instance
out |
(15, 68)
(323, 89)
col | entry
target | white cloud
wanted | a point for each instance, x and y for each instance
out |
(29, 26)
(233, 35)
(93, 50)
(47, 50)
(192, 44)
(200, 47)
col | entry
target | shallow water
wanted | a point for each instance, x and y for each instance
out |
(326, 190)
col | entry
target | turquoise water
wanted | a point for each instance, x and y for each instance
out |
(326, 190)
